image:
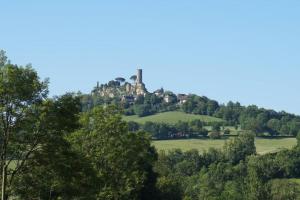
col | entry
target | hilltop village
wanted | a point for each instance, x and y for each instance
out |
(135, 100)
(129, 92)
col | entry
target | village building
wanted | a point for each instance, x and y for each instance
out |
(182, 98)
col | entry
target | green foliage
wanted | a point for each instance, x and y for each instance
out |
(298, 139)
(214, 135)
(133, 78)
(216, 131)
(3, 58)
(142, 110)
(235, 172)
(21, 126)
(200, 105)
(123, 160)
(239, 148)
(227, 132)
(212, 155)
(55, 170)
(174, 168)
(133, 126)
(230, 113)
(178, 130)
(216, 127)
(120, 79)
(284, 189)
(213, 180)
(169, 188)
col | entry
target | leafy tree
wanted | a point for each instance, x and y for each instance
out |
(183, 127)
(3, 58)
(298, 139)
(216, 131)
(231, 112)
(283, 189)
(214, 135)
(140, 100)
(21, 128)
(55, 170)
(213, 179)
(260, 170)
(123, 160)
(133, 78)
(196, 125)
(169, 188)
(240, 147)
(274, 125)
(120, 79)
(190, 165)
(113, 84)
(142, 110)
(216, 127)
(212, 106)
(212, 155)
(133, 126)
(227, 132)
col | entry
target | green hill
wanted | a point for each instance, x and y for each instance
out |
(171, 118)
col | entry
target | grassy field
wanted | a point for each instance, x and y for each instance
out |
(296, 180)
(171, 118)
(263, 145)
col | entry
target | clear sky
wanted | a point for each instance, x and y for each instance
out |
(246, 51)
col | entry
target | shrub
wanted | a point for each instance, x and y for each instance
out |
(214, 135)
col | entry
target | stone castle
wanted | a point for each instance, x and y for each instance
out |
(129, 92)
(118, 88)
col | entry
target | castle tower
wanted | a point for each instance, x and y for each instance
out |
(139, 79)
(140, 88)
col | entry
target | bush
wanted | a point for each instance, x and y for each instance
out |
(204, 132)
(283, 189)
(142, 110)
(133, 126)
(214, 135)
(227, 132)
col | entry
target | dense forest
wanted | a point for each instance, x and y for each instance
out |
(56, 148)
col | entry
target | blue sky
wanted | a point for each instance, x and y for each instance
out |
(246, 51)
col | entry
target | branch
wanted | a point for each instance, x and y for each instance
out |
(20, 166)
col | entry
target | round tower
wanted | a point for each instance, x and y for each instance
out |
(139, 79)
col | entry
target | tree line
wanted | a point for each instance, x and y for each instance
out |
(234, 172)
(181, 129)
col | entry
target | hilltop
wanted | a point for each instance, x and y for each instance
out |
(161, 106)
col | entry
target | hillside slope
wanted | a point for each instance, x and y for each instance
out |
(171, 118)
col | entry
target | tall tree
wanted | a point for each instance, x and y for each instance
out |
(133, 78)
(3, 58)
(240, 147)
(56, 171)
(123, 160)
(21, 93)
(120, 79)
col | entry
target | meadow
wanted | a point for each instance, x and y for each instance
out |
(263, 145)
(171, 118)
